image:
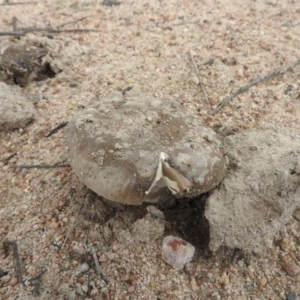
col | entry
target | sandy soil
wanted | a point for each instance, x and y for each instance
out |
(150, 43)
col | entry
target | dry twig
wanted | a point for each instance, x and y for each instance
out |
(56, 128)
(255, 81)
(75, 222)
(72, 22)
(98, 269)
(5, 2)
(39, 166)
(6, 159)
(199, 78)
(17, 263)
(23, 32)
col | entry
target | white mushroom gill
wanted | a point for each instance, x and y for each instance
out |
(168, 176)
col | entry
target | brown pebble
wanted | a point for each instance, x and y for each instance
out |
(240, 72)
(131, 289)
(42, 220)
(262, 283)
(224, 278)
(284, 244)
(81, 279)
(265, 45)
(13, 281)
(291, 268)
(192, 269)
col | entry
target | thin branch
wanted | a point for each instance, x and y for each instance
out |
(39, 166)
(75, 222)
(111, 2)
(99, 271)
(56, 128)
(6, 159)
(255, 81)
(17, 3)
(23, 32)
(17, 262)
(14, 23)
(186, 22)
(199, 78)
(71, 22)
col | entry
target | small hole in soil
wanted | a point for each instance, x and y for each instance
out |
(188, 221)
(46, 73)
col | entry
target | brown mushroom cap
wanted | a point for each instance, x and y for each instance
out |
(133, 148)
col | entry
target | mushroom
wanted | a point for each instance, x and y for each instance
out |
(133, 148)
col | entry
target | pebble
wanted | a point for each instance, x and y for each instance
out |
(177, 252)
(155, 212)
(291, 268)
(291, 296)
(63, 289)
(224, 278)
(262, 283)
(13, 281)
(71, 296)
(163, 277)
(194, 286)
(131, 289)
(82, 268)
(192, 269)
(284, 244)
(107, 256)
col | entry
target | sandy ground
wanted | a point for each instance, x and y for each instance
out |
(150, 43)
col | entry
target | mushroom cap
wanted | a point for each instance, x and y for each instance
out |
(134, 147)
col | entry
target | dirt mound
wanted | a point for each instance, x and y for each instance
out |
(259, 194)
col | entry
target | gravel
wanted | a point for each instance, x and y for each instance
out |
(149, 43)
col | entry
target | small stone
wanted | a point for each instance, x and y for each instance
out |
(194, 286)
(63, 289)
(224, 278)
(240, 72)
(163, 277)
(104, 293)
(291, 268)
(71, 296)
(131, 289)
(262, 283)
(108, 256)
(54, 225)
(177, 252)
(13, 281)
(192, 269)
(291, 296)
(265, 45)
(284, 244)
(81, 279)
(82, 268)
(155, 212)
